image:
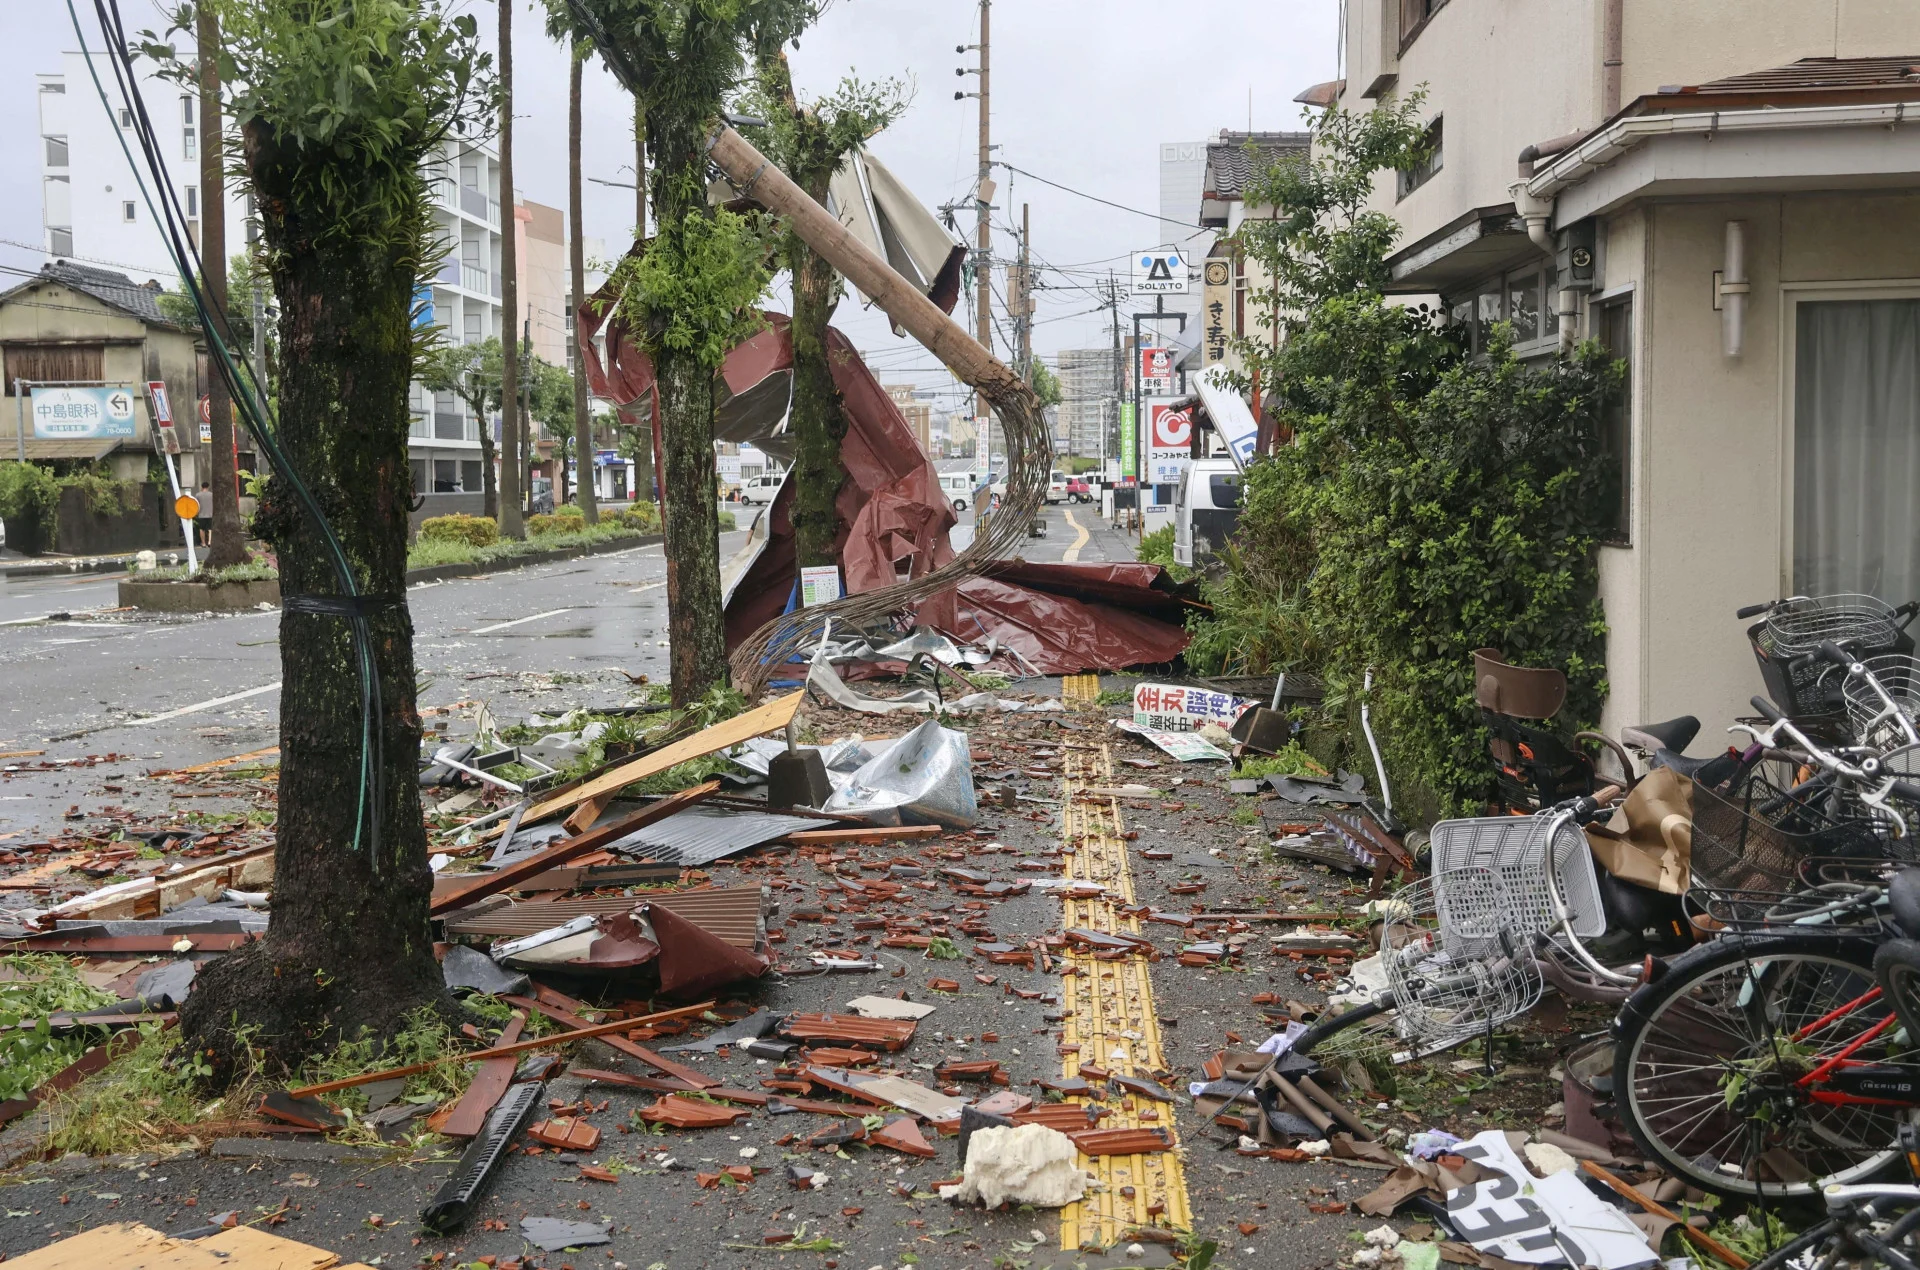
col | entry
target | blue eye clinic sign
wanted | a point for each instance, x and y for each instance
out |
(82, 413)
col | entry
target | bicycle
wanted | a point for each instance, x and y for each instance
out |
(1865, 1226)
(1782, 1055)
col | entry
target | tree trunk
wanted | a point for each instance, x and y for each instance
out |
(819, 419)
(513, 465)
(577, 267)
(350, 946)
(489, 481)
(229, 545)
(698, 650)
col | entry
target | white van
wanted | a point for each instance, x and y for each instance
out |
(958, 487)
(761, 489)
(1056, 487)
(1206, 507)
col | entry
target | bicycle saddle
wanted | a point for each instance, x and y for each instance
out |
(1674, 734)
(1904, 894)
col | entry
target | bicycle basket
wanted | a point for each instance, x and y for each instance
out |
(1798, 626)
(1515, 848)
(1884, 717)
(1455, 964)
(1757, 838)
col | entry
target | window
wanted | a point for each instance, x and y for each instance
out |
(53, 88)
(419, 476)
(1411, 179)
(192, 200)
(470, 475)
(1613, 327)
(470, 328)
(126, 117)
(57, 152)
(52, 363)
(128, 212)
(1524, 308)
(187, 127)
(446, 476)
(1414, 15)
(60, 242)
(1856, 448)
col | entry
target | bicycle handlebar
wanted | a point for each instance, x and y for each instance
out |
(1767, 710)
(1753, 610)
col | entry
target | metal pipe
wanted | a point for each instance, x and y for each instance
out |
(1612, 24)
(1733, 290)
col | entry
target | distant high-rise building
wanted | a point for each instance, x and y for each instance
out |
(1183, 170)
(1089, 412)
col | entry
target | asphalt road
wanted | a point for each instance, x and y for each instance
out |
(172, 691)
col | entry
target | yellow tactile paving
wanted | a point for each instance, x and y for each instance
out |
(1080, 690)
(1110, 1015)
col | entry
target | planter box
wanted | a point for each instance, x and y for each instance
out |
(198, 597)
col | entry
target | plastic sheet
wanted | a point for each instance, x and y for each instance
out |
(1054, 634)
(925, 777)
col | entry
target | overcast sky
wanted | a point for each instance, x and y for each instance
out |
(1084, 92)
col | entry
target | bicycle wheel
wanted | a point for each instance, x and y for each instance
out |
(1819, 1248)
(1709, 1057)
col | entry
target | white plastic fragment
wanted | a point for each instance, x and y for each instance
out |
(1027, 1164)
(1318, 1147)
(1382, 1237)
(1546, 1159)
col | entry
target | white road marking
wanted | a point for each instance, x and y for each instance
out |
(651, 586)
(195, 708)
(518, 621)
(1072, 554)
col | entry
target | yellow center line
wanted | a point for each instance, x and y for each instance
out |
(1110, 1015)
(1072, 554)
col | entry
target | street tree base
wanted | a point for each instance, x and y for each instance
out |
(270, 1007)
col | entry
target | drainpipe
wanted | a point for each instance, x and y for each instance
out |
(1537, 212)
(1610, 58)
(1733, 290)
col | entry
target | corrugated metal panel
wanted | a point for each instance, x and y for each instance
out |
(733, 913)
(701, 835)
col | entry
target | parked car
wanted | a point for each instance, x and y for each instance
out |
(1057, 487)
(1079, 491)
(761, 489)
(958, 487)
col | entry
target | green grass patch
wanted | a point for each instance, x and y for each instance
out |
(35, 986)
(1292, 761)
(426, 553)
(248, 571)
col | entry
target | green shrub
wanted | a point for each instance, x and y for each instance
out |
(543, 525)
(475, 531)
(1156, 547)
(428, 552)
(105, 496)
(728, 523)
(643, 516)
(567, 511)
(29, 493)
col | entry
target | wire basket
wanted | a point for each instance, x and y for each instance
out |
(1455, 964)
(1515, 848)
(1882, 710)
(1757, 838)
(1811, 909)
(1797, 626)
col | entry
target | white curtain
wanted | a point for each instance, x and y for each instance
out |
(1856, 497)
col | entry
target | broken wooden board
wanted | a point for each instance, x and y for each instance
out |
(131, 1246)
(152, 896)
(531, 866)
(771, 717)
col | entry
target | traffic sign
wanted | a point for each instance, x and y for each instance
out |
(82, 412)
(1160, 271)
(186, 507)
(162, 412)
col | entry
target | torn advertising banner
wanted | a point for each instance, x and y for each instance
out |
(1540, 1221)
(1188, 747)
(1175, 708)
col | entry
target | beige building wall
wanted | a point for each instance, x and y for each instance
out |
(544, 278)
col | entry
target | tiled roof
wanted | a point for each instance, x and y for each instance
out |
(1235, 158)
(1811, 80)
(106, 286)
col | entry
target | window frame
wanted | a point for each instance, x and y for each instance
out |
(1501, 284)
(1407, 180)
(1792, 295)
(1629, 487)
(1410, 33)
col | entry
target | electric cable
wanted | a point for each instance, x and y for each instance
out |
(246, 394)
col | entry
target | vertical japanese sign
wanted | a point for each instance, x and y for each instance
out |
(1127, 447)
(1215, 301)
(1156, 370)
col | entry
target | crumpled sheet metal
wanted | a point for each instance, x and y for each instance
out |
(693, 961)
(1055, 634)
(826, 681)
(924, 777)
(1136, 586)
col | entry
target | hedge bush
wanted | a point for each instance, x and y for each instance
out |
(475, 531)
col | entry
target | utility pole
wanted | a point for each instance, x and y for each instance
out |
(983, 208)
(513, 468)
(588, 495)
(525, 421)
(228, 545)
(1023, 312)
(1119, 369)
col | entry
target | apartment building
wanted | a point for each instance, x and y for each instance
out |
(1089, 401)
(1724, 194)
(93, 212)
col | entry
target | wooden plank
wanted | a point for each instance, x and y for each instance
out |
(1705, 1242)
(39, 874)
(122, 1246)
(216, 764)
(771, 717)
(256, 1249)
(121, 945)
(586, 813)
(605, 1032)
(501, 1051)
(532, 866)
(828, 837)
(469, 1115)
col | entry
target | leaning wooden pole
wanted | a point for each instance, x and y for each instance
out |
(1029, 445)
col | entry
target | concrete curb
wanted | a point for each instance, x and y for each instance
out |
(51, 568)
(442, 572)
